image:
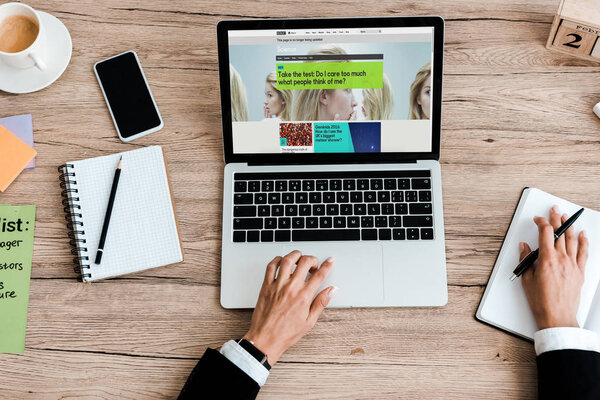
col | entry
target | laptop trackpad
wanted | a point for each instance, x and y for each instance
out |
(358, 272)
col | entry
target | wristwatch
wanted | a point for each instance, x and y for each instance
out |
(254, 352)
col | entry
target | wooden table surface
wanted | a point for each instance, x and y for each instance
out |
(514, 115)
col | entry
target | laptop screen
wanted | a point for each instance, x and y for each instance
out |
(354, 90)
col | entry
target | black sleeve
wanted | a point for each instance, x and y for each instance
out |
(569, 374)
(216, 377)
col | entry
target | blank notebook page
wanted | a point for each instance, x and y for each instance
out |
(143, 231)
(504, 303)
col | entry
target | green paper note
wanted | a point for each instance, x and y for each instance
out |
(16, 250)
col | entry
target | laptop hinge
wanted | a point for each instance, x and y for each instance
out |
(334, 163)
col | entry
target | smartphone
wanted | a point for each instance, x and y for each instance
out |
(128, 96)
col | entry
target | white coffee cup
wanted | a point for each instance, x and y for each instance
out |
(33, 56)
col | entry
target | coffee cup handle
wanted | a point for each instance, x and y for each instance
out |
(38, 61)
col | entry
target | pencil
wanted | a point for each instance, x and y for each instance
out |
(111, 202)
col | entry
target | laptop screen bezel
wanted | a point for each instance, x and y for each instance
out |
(223, 27)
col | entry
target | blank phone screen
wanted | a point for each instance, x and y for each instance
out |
(128, 95)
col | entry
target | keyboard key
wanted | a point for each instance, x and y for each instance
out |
(318, 209)
(343, 197)
(274, 198)
(397, 196)
(420, 208)
(383, 197)
(247, 223)
(381, 222)
(239, 187)
(333, 209)
(385, 234)
(270, 223)
(260, 198)
(360, 209)
(411, 221)
(304, 209)
(362, 184)
(421, 184)
(376, 184)
(425, 195)
(301, 197)
(395, 222)
(329, 197)
(314, 197)
(308, 185)
(287, 198)
(349, 184)
(283, 223)
(242, 199)
(356, 197)
(412, 234)
(387, 209)
(353, 222)
(325, 222)
(282, 236)
(389, 184)
(374, 209)
(399, 234)
(264, 211)
(346, 209)
(370, 197)
(427, 234)
(281, 186)
(266, 236)
(403, 183)
(304, 235)
(410, 195)
(295, 186)
(244, 211)
(322, 185)
(335, 184)
(298, 223)
(267, 186)
(252, 236)
(366, 222)
(277, 211)
(312, 222)
(239, 236)
(369, 234)
(401, 209)
(253, 186)
(339, 222)
(291, 210)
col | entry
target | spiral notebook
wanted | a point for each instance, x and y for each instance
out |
(143, 230)
(504, 304)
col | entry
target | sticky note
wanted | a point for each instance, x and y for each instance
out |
(16, 251)
(22, 127)
(15, 154)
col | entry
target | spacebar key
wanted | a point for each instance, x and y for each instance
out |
(308, 235)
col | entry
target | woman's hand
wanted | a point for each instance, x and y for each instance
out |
(553, 285)
(287, 307)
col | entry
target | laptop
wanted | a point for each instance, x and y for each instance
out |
(332, 139)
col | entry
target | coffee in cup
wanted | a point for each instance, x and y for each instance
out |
(17, 33)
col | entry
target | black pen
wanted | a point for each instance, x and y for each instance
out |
(531, 257)
(111, 202)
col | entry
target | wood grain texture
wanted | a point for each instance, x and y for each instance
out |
(514, 115)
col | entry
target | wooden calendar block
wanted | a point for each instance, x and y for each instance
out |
(576, 29)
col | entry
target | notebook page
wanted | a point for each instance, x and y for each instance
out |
(505, 304)
(593, 319)
(143, 232)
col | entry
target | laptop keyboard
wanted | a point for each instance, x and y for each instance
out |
(332, 206)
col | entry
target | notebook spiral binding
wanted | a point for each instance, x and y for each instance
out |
(73, 217)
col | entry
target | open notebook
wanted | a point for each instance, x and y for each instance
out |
(504, 304)
(143, 229)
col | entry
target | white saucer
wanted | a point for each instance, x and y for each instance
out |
(58, 48)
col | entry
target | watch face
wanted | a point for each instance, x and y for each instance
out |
(255, 352)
